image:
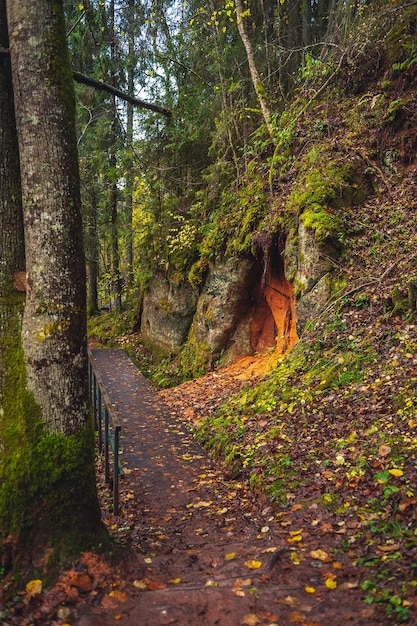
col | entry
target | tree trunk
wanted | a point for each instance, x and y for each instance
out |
(92, 252)
(59, 495)
(12, 265)
(256, 79)
(114, 218)
(129, 147)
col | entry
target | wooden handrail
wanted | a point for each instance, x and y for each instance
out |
(105, 418)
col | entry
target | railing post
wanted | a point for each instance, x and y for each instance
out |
(103, 413)
(116, 471)
(106, 445)
(99, 420)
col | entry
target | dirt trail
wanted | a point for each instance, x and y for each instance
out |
(201, 549)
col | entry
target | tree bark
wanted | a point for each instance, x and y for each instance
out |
(12, 256)
(116, 287)
(54, 331)
(256, 79)
(129, 147)
(54, 493)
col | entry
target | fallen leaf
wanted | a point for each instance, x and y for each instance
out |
(154, 584)
(384, 450)
(331, 583)
(230, 555)
(309, 589)
(396, 472)
(296, 618)
(320, 555)
(405, 503)
(119, 595)
(33, 588)
(139, 584)
(253, 564)
(174, 581)
(250, 619)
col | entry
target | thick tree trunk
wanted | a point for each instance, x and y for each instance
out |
(51, 492)
(54, 332)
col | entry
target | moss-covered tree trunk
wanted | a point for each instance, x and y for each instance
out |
(13, 400)
(53, 493)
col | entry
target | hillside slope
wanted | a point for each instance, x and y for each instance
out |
(331, 430)
(327, 432)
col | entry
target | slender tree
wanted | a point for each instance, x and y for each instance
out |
(256, 79)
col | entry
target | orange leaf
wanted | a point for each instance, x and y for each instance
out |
(154, 584)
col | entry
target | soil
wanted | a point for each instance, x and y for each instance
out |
(195, 546)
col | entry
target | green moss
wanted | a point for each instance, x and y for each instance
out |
(324, 224)
(198, 273)
(47, 481)
(324, 186)
(195, 358)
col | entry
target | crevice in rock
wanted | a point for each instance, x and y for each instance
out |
(273, 324)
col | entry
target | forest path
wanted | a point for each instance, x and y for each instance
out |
(201, 550)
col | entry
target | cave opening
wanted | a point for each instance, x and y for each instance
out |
(273, 323)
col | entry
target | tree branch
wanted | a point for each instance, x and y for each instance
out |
(91, 82)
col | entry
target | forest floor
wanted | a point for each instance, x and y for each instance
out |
(196, 546)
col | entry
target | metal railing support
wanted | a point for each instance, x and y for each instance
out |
(106, 419)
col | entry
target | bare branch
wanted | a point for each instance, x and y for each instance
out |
(91, 82)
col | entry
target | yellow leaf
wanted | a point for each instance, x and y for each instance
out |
(174, 581)
(331, 583)
(139, 584)
(230, 555)
(412, 423)
(212, 583)
(294, 538)
(33, 588)
(320, 555)
(295, 558)
(253, 564)
(396, 472)
(119, 595)
(309, 589)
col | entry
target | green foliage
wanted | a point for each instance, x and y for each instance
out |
(324, 185)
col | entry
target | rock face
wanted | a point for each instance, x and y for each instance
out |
(167, 313)
(225, 299)
(245, 306)
(308, 263)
